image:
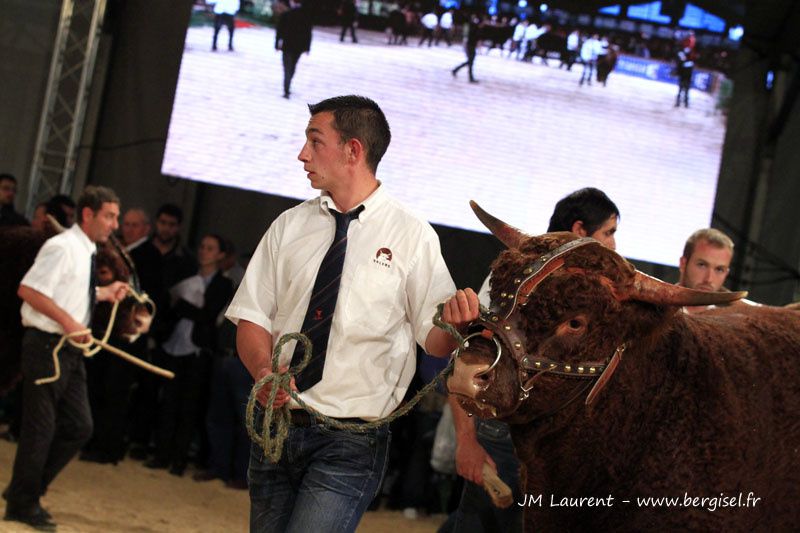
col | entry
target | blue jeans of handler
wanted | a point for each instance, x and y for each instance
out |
(323, 482)
(476, 513)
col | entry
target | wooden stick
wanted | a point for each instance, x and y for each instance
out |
(136, 361)
(500, 493)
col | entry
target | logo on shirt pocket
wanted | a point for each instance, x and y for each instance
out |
(383, 257)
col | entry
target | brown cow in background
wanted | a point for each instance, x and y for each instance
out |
(616, 396)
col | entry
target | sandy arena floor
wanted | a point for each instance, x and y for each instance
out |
(129, 498)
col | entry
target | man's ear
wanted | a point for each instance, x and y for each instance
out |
(578, 229)
(354, 150)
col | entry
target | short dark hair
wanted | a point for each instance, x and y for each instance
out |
(55, 207)
(171, 210)
(589, 205)
(93, 197)
(222, 243)
(8, 177)
(358, 117)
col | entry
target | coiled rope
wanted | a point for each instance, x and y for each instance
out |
(94, 345)
(275, 426)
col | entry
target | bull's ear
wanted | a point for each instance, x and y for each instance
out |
(649, 289)
(508, 235)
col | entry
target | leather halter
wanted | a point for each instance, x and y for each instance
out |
(501, 322)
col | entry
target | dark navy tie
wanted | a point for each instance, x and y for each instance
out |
(317, 322)
(92, 285)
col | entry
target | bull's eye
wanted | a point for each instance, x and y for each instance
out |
(575, 324)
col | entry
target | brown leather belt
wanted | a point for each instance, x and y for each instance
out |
(302, 418)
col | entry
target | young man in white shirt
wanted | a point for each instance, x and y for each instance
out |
(390, 280)
(58, 296)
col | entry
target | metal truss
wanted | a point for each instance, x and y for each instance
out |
(64, 109)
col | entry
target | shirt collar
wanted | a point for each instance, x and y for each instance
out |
(370, 203)
(84, 239)
(135, 244)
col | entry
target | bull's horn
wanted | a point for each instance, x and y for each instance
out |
(649, 289)
(508, 235)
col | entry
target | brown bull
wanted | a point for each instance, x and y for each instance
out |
(617, 398)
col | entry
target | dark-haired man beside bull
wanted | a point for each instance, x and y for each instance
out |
(59, 293)
(361, 276)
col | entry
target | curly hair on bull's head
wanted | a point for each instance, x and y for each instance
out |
(109, 258)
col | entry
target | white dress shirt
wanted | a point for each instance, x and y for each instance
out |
(393, 278)
(430, 21)
(226, 7)
(61, 272)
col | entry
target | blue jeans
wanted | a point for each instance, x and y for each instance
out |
(476, 513)
(324, 480)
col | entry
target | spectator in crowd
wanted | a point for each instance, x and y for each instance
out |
(188, 352)
(59, 292)
(8, 192)
(224, 15)
(62, 208)
(39, 219)
(225, 424)
(292, 38)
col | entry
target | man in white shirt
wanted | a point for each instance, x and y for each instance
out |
(390, 280)
(445, 27)
(224, 13)
(429, 23)
(58, 296)
(589, 58)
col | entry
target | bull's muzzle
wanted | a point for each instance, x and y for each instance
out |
(468, 379)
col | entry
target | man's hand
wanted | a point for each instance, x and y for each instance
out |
(461, 308)
(470, 457)
(281, 397)
(71, 326)
(114, 292)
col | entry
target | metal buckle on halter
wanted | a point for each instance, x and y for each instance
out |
(465, 344)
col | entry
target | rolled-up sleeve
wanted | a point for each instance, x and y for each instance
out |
(429, 284)
(44, 274)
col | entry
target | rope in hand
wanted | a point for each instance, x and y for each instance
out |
(91, 347)
(275, 426)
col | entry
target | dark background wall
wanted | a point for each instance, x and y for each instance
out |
(757, 198)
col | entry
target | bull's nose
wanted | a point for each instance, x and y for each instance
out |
(467, 378)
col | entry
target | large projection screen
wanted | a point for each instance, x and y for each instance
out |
(516, 142)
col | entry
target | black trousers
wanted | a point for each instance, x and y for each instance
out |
(110, 382)
(183, 406)
(290, 60)
(219, 21)
(468, 63)
(56, 421)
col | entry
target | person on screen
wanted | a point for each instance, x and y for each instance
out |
(589, 50)
(224, 13)
(292, 38)
(684, 67)
(349, 16)
(365, 304)
(589, 213)
(473, 38)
